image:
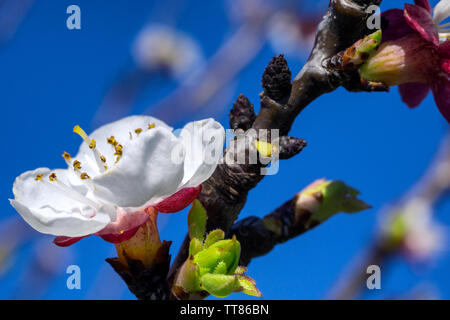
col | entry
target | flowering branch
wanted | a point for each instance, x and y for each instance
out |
(225, 193)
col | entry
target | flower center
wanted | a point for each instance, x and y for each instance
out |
(99, 159)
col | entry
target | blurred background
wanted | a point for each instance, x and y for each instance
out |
(182, 60)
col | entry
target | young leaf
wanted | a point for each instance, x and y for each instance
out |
(219, 285)
(221, 268)
(248, 286)
(195, 246)
(213, 237)
(197, 221)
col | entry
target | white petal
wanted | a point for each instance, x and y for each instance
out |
(53, 210)
(123, 131)
(441, 11)
(203, 141)
(144, 173)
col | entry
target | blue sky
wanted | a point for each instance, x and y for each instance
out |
(53, 79)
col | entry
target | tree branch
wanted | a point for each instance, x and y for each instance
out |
(225, 193)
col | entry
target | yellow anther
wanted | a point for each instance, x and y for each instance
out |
(119, 150)
(67, 156)
(103, 159)
(84, 176)
(151, 126)
(77, 165)
(93, 144)
(138, 130)
(52, 177)
(105, 167)
(122, 232)
(112, 141)
(39, 177)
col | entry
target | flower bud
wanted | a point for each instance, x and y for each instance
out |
(357, 54)
(408, 59)
(212, 266)
(323, 199)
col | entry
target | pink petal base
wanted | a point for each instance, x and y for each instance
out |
(128, 224)
(62, 241)
(179, 200)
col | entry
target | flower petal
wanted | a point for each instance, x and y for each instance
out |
(59, 211)
(441, 11)
(124, 221)
(420, 20)
(144, 174)
(62, 241)
(413, 93)
(441, 92)
(120, 237)
(444, 49)
(123, 131)
(424, 4)
(397, 25)
(203, 141)
(179, 200)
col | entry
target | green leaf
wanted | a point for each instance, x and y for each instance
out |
(227, 251)
(195, 246)
(188, 277)
(248, 286)
(213, 237)
(219, 285)
(240, 270)
(197, 221)
(221, 268)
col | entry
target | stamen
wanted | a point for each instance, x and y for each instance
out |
(52, 177)
(103, 159)
(77, 165)
(92, 145)
(84, 176)
(112, 141)
(39, 177)
(67, 156)
(151, 126)
(119, 152)
(138, 131)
